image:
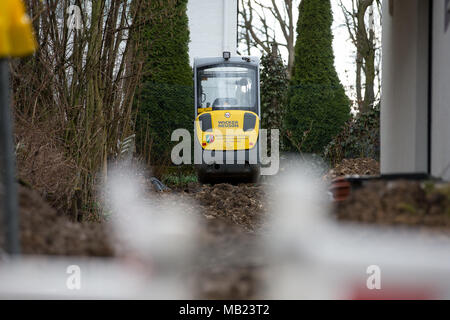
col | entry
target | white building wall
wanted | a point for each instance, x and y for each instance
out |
(440, 134)
(404, 87)
(213, 27)
(405, 102)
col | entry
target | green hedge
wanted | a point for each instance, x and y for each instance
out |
(164, 101)
(318, 106)
(274, 85)
(359, 138)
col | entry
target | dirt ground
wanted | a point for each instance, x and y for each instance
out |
(44, 231)
(423, 204)
(243, 204)
(230, 264)
(360, 166)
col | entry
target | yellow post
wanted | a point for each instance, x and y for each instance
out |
(16, 40)
(16, 36)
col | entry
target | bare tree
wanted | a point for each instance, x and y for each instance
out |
(364, 39)
(260, 22)
(81, 81)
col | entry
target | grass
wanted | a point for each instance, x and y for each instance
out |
(179, 179)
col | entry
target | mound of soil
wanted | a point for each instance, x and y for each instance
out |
(242, 204)
(422, 204)
(359, 166)
(44, 231)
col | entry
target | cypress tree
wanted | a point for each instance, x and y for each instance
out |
(165, 97)
(318, 106)
(274, 86)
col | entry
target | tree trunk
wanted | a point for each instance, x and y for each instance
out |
(359, 65)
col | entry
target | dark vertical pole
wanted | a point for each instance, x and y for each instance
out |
(430, 87)
(10, 206)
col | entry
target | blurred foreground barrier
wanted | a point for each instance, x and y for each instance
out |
(16, 40)
(315, 257)
(154, 240)
(84, 278)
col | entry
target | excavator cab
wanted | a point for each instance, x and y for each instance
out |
(227, 114)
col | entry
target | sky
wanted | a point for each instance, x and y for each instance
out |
(344, 50)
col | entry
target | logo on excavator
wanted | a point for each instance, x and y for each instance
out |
(227, 115)
(228, 124)
(209, 138)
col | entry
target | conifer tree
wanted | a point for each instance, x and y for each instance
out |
(318, 106)
(165, 97)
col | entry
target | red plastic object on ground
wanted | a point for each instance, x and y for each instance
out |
(341, 189)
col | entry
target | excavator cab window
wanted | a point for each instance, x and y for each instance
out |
(228, 87)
